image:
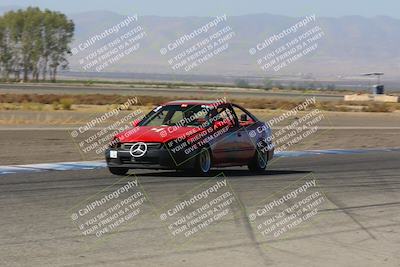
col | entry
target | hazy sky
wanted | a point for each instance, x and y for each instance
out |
(215, 7)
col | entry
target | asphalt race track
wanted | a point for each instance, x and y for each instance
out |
(358, 223)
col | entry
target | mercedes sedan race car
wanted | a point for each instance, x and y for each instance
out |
(192, 135)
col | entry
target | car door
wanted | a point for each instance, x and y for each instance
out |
(225, 148)
(246, 123)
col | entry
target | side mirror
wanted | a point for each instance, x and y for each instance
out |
(135, 123)
(244, 117)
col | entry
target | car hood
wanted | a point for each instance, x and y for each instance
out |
(156, 134)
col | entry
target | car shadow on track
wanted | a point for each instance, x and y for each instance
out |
(229, 173)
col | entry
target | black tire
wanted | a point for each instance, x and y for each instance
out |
(259, 162)
(118, 170)
(203, 162)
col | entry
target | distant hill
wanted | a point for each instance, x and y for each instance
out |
(351, 45)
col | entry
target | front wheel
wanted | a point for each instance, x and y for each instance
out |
(203, 162)
(118, 171)
(258, 162)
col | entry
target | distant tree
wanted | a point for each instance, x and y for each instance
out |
(311, 86)
(60, 37)
(34, 41)
(242, 83)
(278, 85)
(331, 87)
(6, 55)
(292, 85)
(267, 84)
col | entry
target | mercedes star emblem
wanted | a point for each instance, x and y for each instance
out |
(138, 149)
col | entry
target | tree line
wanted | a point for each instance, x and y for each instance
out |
(34, 44)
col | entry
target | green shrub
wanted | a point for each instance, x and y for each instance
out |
(66, 103)
(377, 107)
(89, 83)
(56, 105)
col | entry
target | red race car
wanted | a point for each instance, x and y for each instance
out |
(192, 135)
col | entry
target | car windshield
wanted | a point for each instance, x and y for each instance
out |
(177, 115)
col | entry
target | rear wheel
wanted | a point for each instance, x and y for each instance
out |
(203, 162)
(118, 171)
(258, 162)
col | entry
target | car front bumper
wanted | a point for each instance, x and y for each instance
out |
(155, 158)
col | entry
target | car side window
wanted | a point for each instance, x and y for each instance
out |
(244, 117)
(226, 116)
